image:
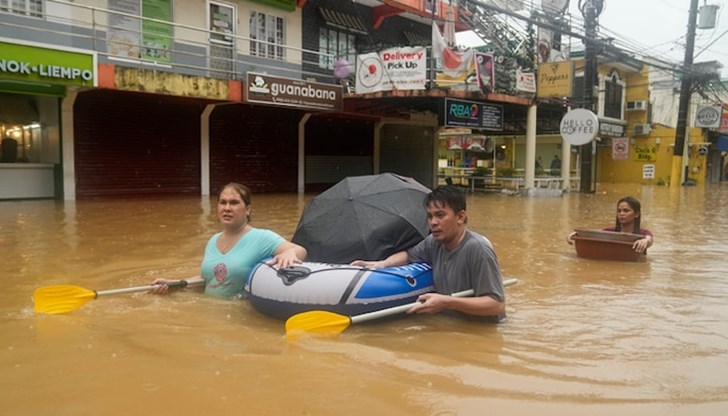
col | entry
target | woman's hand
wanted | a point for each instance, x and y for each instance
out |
(285, 259)
(570, 237)
(287, 254)
(642, 244)
(161, 286)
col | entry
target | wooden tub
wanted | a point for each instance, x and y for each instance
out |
(606, 245)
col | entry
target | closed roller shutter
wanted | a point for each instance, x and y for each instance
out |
(408, 151)
(256, 146)
(136, 144)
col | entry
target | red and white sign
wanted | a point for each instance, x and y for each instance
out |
(620, 148)
(396, 68)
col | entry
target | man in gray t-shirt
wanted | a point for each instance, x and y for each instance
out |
(460, 259)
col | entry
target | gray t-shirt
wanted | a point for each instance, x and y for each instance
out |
(472, 265)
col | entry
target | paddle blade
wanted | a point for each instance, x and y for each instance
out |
(321, 322)
(59, 299)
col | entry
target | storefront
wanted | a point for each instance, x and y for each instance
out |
(33, 80)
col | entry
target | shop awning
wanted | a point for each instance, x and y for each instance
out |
(344, 21)
(416, 39)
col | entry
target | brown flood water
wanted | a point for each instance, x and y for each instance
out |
(584, 337)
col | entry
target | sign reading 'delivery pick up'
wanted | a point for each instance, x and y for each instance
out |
(579, 126)
(288, 92)
(51, 66)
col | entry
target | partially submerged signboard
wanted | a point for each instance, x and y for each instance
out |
(288, 92)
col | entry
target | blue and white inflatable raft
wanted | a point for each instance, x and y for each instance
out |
(339, 288)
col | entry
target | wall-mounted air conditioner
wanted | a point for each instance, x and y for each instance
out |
(636, 105)
(642, 129)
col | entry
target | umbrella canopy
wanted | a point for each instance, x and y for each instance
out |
(363, 217)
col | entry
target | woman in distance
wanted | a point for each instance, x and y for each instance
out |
(628, 221)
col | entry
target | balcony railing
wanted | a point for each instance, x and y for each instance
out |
(131, 40)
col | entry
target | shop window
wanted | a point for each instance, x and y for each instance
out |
(335, 45)
(431, 6)
(25, 7)
(20, 143)
(267, 34)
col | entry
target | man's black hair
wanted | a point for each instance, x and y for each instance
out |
(447, 195)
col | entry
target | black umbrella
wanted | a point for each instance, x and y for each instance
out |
(363, 217)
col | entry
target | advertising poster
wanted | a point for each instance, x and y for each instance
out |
(123, 34)
(396, 68)
(483, 116)
(157, 36)
(485, 71)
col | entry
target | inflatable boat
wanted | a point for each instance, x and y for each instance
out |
(339, 288)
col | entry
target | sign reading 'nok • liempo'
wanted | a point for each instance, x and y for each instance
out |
(579, 126)
(266, 89)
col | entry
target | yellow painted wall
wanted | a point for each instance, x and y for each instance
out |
(655, 148)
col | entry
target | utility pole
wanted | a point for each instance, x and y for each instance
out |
(590, 9)
(686, 87)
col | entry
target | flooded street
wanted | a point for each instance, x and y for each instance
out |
(583, 337)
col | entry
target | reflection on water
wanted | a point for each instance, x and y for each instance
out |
(584, 337)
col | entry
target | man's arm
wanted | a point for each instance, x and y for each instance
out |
(480, 306)
(397, 259)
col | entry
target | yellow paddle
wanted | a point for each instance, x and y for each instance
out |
(324, 322)
(59, 299)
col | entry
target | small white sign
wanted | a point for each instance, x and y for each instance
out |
(708, 116)
(579, 126)
(648, 171)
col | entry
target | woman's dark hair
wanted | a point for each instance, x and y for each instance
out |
(636, 207)
(241, 189)
(447, 196)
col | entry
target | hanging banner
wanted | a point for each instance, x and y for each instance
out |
(156, 36)
(525, 82)
(485, 71)
(123, 36)
(620, 148)
(723, 120)
(396, 68)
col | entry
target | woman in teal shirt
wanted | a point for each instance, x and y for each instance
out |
(231, 254)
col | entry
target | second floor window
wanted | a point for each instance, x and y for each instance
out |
(613, 97)
(267, 34)
(25, 7)
(334, 45)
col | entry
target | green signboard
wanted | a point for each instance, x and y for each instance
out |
(287, 5)
(157, 36)
(48, 66)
